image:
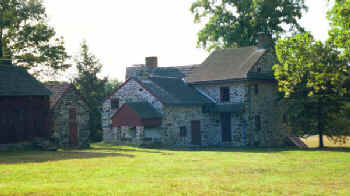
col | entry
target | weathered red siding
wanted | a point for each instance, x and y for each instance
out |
(23, 118)
(126, 117)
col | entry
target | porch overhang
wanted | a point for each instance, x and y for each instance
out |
(222, 108)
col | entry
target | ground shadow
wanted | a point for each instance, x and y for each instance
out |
(145, 150)
(45, 156)
(252, 149)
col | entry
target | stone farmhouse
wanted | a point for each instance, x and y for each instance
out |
(229, 99)
(69, 115)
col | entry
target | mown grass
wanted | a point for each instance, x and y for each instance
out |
(120, 170)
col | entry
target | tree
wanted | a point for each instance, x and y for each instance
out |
(313, 77)
(236, 23)
(111, 84)
(91, 87)
(26, 37)
(339, 35)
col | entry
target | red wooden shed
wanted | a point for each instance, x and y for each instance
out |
(24, 105)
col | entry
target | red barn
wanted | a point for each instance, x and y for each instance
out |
(24, 105)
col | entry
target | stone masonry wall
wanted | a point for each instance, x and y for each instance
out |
(60, 117)
(265, 105)
(176, 117)
(267, 61)
(238, 94)
(132, 91)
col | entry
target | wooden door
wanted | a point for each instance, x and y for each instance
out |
(73, 132)
(196, 132)
(226, 133)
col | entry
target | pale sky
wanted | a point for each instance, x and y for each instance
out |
(122, 33)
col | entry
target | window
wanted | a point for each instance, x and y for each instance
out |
(260, 67)
(257, 123)
(225, 94)
(183, 132)
(285, 118)
(115, 103)
(256, 89)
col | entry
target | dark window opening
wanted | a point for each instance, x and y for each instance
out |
(225, 94)
(259, 68)
(115, 103)
(285, 118)
(256, 89)
(257, 123)
(183, 132)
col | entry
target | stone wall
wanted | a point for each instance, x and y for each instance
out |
(237, 92)
(177, 117)
(265, 105)
(60, 119)
(267, 61)
(132, 91)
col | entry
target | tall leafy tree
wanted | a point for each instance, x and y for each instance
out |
(91, 87)
(26, 37)
(236, 23)
(313, 77)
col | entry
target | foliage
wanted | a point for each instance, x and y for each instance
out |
(231, 24)
(339, 17)
(119, 170)
(314, 78)
(318, 67)
(111, 85)
(26, 37)
(91, 87)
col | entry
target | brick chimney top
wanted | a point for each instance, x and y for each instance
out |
(152, 62)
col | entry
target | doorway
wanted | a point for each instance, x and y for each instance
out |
(226, 133)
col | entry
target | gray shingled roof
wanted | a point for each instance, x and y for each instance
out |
(144, 110)
(174, 91)
(167, 72)
(57, 89)
(16, 81)
(226, 64)
(173, 72)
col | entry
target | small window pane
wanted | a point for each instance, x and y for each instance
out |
(257, 122)
(256, 89)
(115, 103)
(183, 132)
(225, 94)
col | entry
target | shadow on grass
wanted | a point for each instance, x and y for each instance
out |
(252, 149)
(136, 149)
(43, 156)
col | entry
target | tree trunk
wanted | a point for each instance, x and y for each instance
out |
(320, 124)
(321, 139)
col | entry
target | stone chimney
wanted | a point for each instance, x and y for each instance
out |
(264, 41)
(151, 62)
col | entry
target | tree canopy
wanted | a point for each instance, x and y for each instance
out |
(314, 77)
(231, 24)
(26, 37)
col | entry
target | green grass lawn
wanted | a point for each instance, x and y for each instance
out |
(120, 170)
